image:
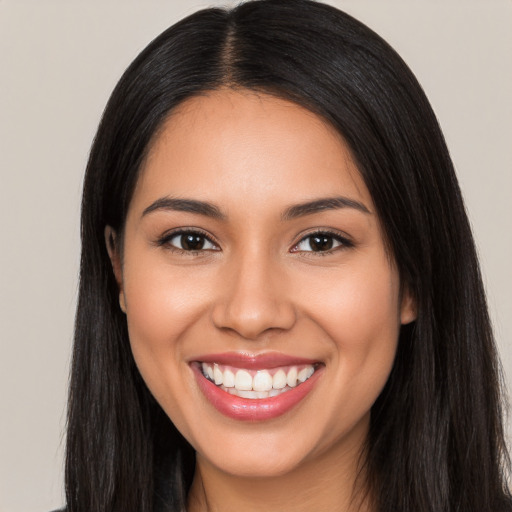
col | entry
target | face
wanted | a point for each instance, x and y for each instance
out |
(263, 308)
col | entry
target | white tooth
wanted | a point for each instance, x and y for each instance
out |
(217, 374)
(204, 367)
(229, 379)
(274, 392)
(209, 371)
(262, 381)
(291, 378)
(262, 394)
(279, 380)
(305, 373)
(243, 380)
(247, 394)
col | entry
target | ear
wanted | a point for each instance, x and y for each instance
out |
(408, 309)
(115, 260)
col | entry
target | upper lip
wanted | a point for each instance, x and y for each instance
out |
(250, 361)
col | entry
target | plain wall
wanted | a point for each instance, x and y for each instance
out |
(59, 61)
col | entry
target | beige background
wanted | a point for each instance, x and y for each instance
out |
(59, 60)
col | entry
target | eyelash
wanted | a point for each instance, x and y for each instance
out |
(165, 241)
(344, 242)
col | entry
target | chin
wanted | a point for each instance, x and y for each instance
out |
(255, 464)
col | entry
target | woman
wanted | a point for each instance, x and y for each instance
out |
(280, 304)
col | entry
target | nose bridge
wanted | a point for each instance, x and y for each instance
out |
(254, 296)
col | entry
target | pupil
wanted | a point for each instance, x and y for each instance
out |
(321, 243)
(192, 242)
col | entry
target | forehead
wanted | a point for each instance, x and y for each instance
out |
(229, 144)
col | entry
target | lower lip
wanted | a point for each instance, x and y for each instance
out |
(258, 409)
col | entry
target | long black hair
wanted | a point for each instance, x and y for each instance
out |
(436, 440)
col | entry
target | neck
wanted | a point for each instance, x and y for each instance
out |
(333, 481)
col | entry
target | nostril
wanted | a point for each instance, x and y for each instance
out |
(252, 320)
(253, 297)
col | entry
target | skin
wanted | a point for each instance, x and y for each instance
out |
(258, 287)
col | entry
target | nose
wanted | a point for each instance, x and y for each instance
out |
(253, 299)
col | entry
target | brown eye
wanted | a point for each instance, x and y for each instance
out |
(321, 242)
(191, 241)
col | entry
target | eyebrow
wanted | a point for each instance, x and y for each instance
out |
(185, 205)
(319, 205)
(292, 212)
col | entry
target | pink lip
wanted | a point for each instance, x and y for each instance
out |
(262, 361)
(244, 409)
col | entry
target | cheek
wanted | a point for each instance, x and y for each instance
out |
(357, 298)
(162, 306)
(360, 315)
(361, 318)
(161, 301)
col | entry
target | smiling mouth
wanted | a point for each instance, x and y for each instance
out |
(257, 384)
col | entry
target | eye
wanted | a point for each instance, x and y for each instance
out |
(189, 241)
(321, 241)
